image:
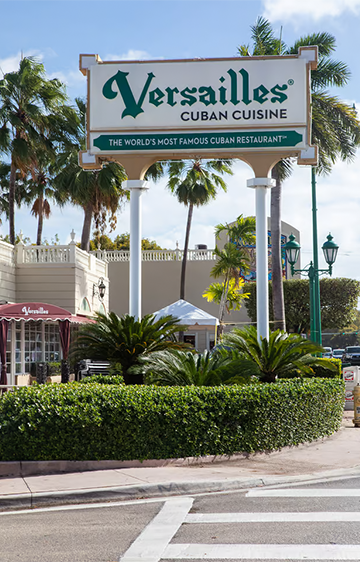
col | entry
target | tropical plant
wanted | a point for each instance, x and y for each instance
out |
(234, 297)
(282, 355)
(98, 192)
(335, 128)
(232, 259)
(120, 242)
(123, 340)
(183, 368)
(27, 103)
(195, 183)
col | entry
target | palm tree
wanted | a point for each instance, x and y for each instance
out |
(98, 192)
(216, 292)
(27, 99)
(282, 355)
(123, 340)
(195, 183)
(335, 128)
(233, 258)
(183, 368)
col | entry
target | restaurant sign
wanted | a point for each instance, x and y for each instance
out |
(247, 103)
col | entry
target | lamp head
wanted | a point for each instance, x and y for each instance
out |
(292, 249)
(330, 250)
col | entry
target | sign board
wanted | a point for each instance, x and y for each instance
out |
(351, 377)
(247, 104)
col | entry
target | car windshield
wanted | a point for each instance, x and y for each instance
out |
(338, 351)
(353, 349)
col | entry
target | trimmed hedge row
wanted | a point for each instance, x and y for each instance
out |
(94, 422)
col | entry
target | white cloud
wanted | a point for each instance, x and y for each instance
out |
(132, 54)
(10, 64)
(72, 78)
(291, 10)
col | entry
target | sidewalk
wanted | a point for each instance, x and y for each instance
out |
(338, 455)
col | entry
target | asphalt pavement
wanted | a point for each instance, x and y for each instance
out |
(38, 484)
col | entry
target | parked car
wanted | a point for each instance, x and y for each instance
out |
(352, 355)
(338, 353)
(328, 353)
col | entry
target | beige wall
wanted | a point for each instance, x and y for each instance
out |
(7, 273)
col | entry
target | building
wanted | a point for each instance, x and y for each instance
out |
(46, 291)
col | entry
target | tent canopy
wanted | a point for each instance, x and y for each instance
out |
(189, 314)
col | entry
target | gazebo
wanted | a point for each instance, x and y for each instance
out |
(202, 325)
(32, 332)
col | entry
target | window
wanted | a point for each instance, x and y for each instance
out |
(190, 338)
(18, 369)
(102, 309)
(8, 349)
(85, 306)
(33, 343)
(52, 342)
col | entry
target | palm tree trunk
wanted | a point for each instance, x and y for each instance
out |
(186, 246)
(85, 235)
(222, 305)
(276, 261)
(12, 203)
(40, 220)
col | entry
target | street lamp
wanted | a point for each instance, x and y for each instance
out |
(99, 288)
(330, 249)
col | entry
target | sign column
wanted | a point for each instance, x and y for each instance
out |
(262, 269)
(136, 187)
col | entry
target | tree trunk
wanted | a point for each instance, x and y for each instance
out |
(85, 235)
(12, 203)
(186, 246)
(276, 261)
(220, 327)
(40, 220)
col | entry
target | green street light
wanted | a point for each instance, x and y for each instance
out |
(330, 249)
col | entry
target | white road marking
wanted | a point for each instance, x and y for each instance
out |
(151, 543)
(304, 493)
(262, 552)
(277, 517)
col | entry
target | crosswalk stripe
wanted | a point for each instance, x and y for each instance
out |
(304, 493)
(262, 552)
(274, 517)
(151, 543)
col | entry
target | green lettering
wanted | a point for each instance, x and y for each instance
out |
(207, 96)
(278, 95)
(189, 99)
(245, 87)
(170, 96)
(131, 107)
(260, 94)
(155, 96)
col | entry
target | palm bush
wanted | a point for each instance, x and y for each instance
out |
(282, 355)
(123, 340)
(183, 368)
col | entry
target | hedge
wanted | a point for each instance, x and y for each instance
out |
(98, 422)
(103, 379)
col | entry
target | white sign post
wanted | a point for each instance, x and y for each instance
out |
(256, 109)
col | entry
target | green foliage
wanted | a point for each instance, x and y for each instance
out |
(123, 340)
(103, 379)
(282, 355)
(97, 422)
(184, 368)
(234, 297)
(321, 372)
(54, 368)
(339, 298)
(120, 242)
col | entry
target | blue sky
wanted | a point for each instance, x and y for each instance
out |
(58, 31)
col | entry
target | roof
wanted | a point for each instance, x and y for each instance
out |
(189, 314)
(38, 311)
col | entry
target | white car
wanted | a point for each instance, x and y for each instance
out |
(338, 353)
(328, 353)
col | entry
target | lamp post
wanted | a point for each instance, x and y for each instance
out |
(330, 249)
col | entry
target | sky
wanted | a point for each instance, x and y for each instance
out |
(56, 32)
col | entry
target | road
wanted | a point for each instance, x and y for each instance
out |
(319, 521)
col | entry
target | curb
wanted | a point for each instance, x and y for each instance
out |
(160, 490)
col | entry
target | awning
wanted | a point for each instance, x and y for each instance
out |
(39, 311)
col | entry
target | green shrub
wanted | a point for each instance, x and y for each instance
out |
(94, 422)
(54, 368)
(103, 379)
(320, 372)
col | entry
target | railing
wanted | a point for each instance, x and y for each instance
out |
(46, 254)
(156, 255)
(6, 252)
